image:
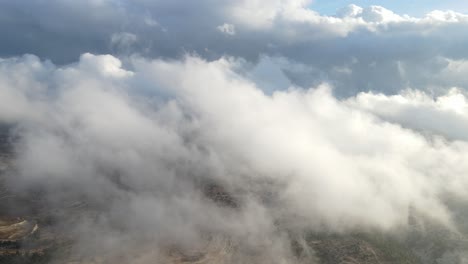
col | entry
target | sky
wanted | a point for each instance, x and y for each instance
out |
(412, 8)
(311, 122)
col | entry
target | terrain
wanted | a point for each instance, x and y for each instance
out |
(31, 232)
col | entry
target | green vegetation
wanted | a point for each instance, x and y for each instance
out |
(19, 258)
(361, 248)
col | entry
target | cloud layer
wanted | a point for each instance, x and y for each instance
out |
(359, 49)
(136, 145)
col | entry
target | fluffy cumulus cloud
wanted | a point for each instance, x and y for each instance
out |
(300, 121)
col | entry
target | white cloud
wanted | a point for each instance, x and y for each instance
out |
(445, 16)
(228, 29)
(444, 115)
(217, 124)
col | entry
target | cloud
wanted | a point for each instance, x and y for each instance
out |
(360, 49)
(309, 122)
(363, 40)
(416, 110)
(123, 40)
(138, 159)
(228, 29)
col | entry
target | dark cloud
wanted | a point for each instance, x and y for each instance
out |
(363, 49)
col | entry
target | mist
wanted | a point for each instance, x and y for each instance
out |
(142, 146)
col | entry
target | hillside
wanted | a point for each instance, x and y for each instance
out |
(35, 235)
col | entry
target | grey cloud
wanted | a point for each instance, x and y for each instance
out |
(371, 44)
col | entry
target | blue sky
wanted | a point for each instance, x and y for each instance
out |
(414, 8)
